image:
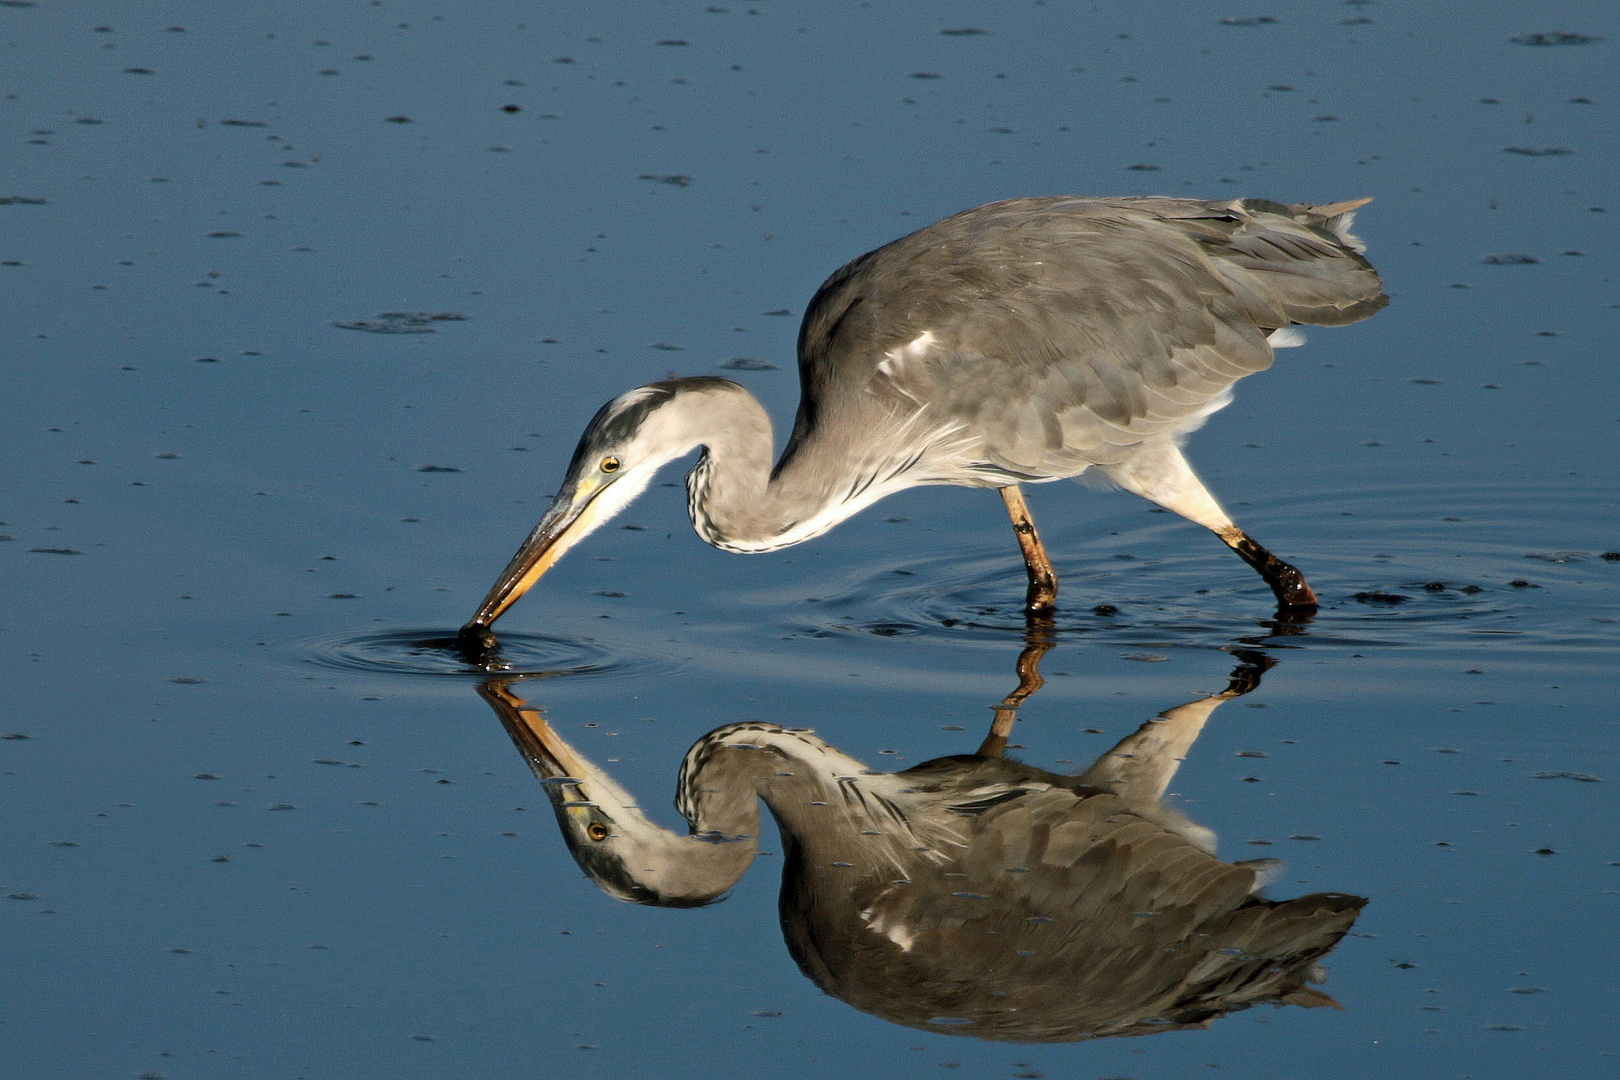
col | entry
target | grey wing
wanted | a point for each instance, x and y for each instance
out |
(1049, 335)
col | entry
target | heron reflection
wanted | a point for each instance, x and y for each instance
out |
(971, 894)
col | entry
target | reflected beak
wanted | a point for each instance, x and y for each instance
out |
(564, 773)
(572, 515)
(547, 754)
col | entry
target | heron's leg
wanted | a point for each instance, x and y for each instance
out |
(1157, 471)
(1042, 595)
(1293, 592)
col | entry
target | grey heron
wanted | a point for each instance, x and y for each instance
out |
(968, 895)
(1022, 341)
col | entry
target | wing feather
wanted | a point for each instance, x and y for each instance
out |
(1060, 333)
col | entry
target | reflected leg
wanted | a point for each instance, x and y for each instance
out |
(1143, 763)
(1038, 640)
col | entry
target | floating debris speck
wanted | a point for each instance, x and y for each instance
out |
(401, 322)
(1557, 37)
(1378, 596)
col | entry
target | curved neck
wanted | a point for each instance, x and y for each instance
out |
(726, 491)
(740, 502)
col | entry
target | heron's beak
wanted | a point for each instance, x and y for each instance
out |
(572, 515)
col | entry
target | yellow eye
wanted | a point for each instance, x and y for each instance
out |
(610, 464)
(597, 831)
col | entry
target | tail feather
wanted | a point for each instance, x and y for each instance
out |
(1336, 218)
(1300, 259)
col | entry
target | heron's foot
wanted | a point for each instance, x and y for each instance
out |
(1289, 585)
(1296, 602)
(1040, 603)
(1041, 600)
(1295, 598)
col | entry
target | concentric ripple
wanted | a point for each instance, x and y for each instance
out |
(1425, 565)
(435, 653)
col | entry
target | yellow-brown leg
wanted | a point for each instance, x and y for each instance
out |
(1156, 470)
(1042, 595)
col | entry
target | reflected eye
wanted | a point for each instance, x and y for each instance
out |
(610, 464)
(596, 831)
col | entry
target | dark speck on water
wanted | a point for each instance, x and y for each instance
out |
(401, 322)
(1559, 37)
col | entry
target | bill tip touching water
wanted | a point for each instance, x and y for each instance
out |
(1024, 341)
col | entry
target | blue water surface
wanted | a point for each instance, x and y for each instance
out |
(305, 305)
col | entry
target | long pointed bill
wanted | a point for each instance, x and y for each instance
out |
(573, 514)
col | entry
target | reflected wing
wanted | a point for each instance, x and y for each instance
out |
(1066, 916)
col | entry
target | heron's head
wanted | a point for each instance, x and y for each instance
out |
(623, 447)
(628, 856)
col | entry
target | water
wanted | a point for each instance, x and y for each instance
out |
(258, 824)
